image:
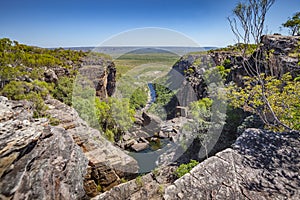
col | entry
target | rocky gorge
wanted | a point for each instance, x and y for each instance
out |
(62, 157)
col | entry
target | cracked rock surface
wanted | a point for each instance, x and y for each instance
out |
(68, 161)
(261, 165)
(37, 161)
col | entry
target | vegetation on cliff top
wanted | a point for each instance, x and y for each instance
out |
(23, 68)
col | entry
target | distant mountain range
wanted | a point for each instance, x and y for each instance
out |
(116, 51)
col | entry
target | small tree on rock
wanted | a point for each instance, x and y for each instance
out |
(248, 25)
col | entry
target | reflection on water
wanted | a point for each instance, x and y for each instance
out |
(146, 159)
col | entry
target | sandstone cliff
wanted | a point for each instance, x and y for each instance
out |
(37, 161)
(102, 73)
(277, 55)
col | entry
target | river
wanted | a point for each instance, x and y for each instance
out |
(152, 93)
(146, 159)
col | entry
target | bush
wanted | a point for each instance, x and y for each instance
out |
(63, 90)
(282, 94)
(35, 92)
(185, 168)
(139, 98)
(114, 117)
(139, 181)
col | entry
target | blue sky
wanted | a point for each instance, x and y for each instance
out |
(68, 23)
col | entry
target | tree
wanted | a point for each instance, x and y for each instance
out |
(248, 25)
(293, 24)
(114, 116)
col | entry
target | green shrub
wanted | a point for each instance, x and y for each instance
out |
(282, 94)
(99, 188)
(63, 90)
(139, 98)
(226, 63)
(161, 189)
(54, 121)
(139, 181)
(123, 180)
(35, 92)
(185, 168)
(223, 71)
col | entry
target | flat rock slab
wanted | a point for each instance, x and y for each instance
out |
(140, 146)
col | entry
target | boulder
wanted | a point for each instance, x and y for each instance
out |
(140, 146)
(50, 76)
(151, 123)
(154, 139)
(142, 139)
(167, 128)
(141, 133)
(162, 134)
(130, 142)
(126, 137)
(138, 120)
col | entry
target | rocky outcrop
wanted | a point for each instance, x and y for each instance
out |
(261, 165)
(150, 186)
(37, 161)
(107, 163)
(198, 73)
(277, 55)
(151, 123)
(50, 76)
(101, 73)
(68, 161)
(283, 53)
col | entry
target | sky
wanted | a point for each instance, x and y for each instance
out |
(70, 23)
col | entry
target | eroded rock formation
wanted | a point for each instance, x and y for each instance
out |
(282, 54)
(101, 73)
(107, 163)
(37, 161)
(69, 161)
(261, 165)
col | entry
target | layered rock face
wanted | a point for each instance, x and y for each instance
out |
(277, 55)
(107, 163)
(261, 165)
(192, 83)
(37, 161)
(149, 187)
(284, 54)
(69, 161)
(101, 73)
